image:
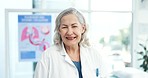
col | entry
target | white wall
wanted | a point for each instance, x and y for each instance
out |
(140, 27)
(8, 4)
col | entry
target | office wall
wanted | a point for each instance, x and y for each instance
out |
(8, 4)
(140, 27)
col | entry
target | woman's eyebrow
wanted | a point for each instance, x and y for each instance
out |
(74, 24)
(63, 24)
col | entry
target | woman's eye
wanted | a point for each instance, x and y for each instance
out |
(74, 26)
(64, 27)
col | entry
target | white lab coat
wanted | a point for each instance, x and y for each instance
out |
(55, 63)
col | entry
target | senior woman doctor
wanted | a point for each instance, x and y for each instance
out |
(71, 56)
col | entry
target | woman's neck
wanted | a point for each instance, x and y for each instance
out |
(73, 52)
(72, 49)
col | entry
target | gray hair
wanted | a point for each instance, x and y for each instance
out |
(57, 38)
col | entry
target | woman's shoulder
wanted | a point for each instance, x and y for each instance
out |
(96, 50)
(52, 49)
(94, 47)
(50, 52)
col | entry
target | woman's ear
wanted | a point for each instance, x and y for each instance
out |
(59, 31)
(83, 28)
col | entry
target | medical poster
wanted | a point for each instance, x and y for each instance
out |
(34, 35)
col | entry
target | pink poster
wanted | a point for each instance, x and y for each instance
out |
(34, 36)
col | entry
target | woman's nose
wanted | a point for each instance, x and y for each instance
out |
(69, 31)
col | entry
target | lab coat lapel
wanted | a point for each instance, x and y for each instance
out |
(84, 56)
(86, 63)
(66, 57)
(68, 60)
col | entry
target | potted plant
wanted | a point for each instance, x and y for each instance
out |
(144, 54)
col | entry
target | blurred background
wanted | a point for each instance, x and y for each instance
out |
(115, 26)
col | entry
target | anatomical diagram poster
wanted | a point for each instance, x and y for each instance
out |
(34, 35)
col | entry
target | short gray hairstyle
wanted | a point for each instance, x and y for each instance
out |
(57, 38)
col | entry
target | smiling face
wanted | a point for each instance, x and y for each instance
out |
(71, 30)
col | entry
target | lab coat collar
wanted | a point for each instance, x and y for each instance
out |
(83, 58)
(83, 54)
(66, 56)
(63, 51)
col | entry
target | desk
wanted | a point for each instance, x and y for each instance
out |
(129, 72)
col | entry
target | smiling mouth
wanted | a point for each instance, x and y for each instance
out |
(70, 38)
